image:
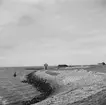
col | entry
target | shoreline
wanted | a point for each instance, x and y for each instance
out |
(47, 88)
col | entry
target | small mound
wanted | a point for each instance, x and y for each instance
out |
(52, 73)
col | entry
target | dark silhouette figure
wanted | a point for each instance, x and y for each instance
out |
(103, 63)
(62, 66)
(45, 66)
(15, 74)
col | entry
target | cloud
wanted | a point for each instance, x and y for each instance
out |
(36, 1)
(89, 42)
(25, 20)
(52, 30)
(11, 11)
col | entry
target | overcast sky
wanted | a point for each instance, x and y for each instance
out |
(33, 32)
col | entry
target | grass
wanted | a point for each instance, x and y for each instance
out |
(52, 73)
(42, 85)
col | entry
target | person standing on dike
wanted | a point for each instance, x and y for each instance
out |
(45, 66)
(15, 74)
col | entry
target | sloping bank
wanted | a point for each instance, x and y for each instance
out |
(83, 88)
(44, 86)
(90, 89)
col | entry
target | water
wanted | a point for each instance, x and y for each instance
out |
(12, 90)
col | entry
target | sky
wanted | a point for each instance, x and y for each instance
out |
(34, 32)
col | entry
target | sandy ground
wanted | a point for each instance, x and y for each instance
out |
(76, 87)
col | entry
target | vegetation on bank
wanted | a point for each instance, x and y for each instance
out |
(42, 85)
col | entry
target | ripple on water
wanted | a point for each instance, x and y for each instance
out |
(14, 92)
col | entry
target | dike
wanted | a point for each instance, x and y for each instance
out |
(46, 87)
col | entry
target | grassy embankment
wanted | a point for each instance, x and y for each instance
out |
(44, 86)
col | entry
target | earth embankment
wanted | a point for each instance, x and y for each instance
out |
(78, 87)
(47, 87)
